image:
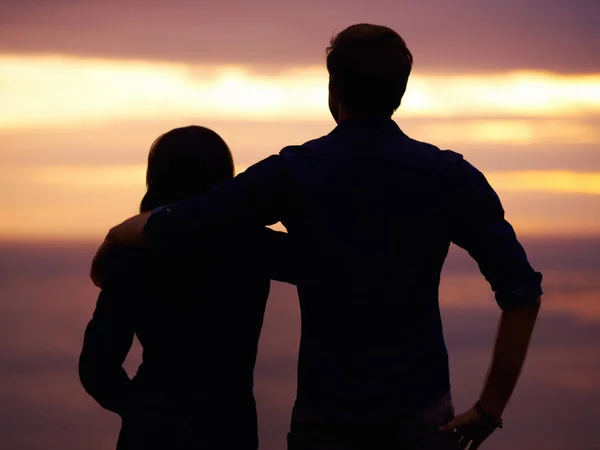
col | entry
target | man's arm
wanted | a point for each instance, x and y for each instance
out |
(512, 341)
(108, 338)
(478, 225)
(510, 349)
(256, 197)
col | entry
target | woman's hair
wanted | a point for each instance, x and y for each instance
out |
(184, 163)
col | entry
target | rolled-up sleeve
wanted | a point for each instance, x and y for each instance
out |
(478, 224)
(256, 197)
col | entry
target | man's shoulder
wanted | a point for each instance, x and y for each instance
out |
(419, 149)
(427, 149)
(308, 146)
(447, 163)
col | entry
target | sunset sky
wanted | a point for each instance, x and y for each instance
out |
(86, 86)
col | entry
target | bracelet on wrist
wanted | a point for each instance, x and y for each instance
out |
(488, 418)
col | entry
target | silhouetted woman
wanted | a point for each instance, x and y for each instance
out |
(196, 312)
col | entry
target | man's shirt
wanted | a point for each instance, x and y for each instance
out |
(372, 214)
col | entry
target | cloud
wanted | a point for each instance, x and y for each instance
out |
(85, 200)
(78, 130)
(127, 176)
(546, 181)
(445, 36)
(127, 142)
(66, 91)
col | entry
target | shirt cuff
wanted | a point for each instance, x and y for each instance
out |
(523, 296)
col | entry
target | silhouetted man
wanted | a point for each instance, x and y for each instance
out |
(373, 212)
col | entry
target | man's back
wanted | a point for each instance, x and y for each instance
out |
(374, 213)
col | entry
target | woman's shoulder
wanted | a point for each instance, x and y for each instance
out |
(125, 266)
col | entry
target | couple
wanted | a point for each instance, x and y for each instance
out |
(370, 215)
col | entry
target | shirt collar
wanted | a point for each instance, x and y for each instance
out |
(376, 125)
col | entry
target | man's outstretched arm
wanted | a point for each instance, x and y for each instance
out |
(254, 198)
(478, 225)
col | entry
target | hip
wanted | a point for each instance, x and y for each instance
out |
(413, 432)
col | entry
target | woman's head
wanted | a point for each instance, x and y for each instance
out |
(184, 163)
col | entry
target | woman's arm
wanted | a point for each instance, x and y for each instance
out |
(280, 257)
(108, 338)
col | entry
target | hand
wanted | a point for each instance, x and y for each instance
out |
(128, 233)
(470, 428)
(98, 262)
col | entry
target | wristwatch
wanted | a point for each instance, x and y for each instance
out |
(488, 418)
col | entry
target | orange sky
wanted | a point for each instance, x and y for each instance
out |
(86, 86)
(82, 100)
(74, 133)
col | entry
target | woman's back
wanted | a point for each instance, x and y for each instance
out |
(198, 315)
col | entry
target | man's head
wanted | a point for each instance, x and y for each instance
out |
(368, 66)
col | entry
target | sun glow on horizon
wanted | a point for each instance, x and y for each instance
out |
(49, 202)
(556, 181)
(65, 120)
(133, 175)
(63, 91)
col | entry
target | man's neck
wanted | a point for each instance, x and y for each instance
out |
(345, 116)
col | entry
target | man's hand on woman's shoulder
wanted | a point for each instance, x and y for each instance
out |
(128, 233)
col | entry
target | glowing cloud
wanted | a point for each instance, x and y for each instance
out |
(60, 90)
(546, 181)
(525, 131)
(52, 94)
(84, 201)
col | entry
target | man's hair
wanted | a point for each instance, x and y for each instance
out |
(369, 66)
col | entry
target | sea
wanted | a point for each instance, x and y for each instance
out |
(46, 300)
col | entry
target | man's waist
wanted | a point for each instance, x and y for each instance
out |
(432, 407)
(376, 386)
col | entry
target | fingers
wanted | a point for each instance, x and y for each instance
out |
(463, 442)
(475, 445)
(97, 263)
(448, 427)
(95, 280)
(94, 273)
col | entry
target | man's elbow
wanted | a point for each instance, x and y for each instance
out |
(530, 304)
(528, 295)
(87, 374)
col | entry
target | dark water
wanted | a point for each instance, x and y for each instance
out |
(46, 301)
